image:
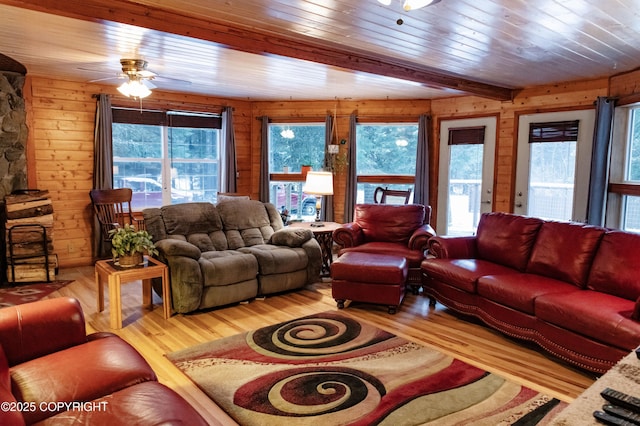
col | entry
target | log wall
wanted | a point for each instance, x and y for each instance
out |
(61, 120)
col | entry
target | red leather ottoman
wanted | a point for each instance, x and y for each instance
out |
(369, 278)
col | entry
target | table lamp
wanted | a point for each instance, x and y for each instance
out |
(318, 184)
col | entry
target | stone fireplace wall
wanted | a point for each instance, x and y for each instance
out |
(13, 133)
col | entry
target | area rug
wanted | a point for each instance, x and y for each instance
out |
(330, 369)
(19, 294)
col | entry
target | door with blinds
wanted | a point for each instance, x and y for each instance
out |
(467, 151)
(554, 164)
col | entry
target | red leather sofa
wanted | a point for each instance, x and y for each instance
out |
(52, 373)
(399, 230)
(569, 287)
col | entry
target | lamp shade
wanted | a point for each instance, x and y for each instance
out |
(318, 183)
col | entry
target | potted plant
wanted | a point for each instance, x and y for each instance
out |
(129, 245)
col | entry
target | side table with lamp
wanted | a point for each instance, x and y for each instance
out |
(320, 184)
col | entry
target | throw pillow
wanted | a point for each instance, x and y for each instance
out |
(292, 237)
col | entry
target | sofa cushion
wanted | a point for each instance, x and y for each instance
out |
(520, 291)
(565, 251)
(202, 241)
(246, 223)
(615, 267)
(414, 257)
(220, 268)
(389, 223)
(274, 259)
(62, 377)
(602, 317)
(191, 218)
(462, 273)
(506, 239)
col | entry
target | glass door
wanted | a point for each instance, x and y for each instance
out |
(467, 151)
(554, 164)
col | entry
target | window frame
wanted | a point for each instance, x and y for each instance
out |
(292, 178)
(165, 120)
(619, 187)
(401, 181)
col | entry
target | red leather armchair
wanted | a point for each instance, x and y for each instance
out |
(401, 230)
(51, 372)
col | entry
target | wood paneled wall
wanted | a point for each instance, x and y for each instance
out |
(548, 98)
(61, 123)
(60, 117)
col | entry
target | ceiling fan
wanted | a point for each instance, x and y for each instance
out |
(138, 78)
(139, 85)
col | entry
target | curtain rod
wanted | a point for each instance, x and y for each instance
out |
(385, 118)
(176, 105)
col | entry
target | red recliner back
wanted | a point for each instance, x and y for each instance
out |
(389, 223)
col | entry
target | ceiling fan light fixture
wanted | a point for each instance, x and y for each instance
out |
(417, 4)
(385, 2)
(135, 89)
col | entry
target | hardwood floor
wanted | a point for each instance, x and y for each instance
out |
(437, 327)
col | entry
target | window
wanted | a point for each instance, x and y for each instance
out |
(623, 207)
(553, 164)
(290, 147)
(166, 157)
(552, 156)
(386, 156)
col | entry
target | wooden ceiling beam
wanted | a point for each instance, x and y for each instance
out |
(260, 42)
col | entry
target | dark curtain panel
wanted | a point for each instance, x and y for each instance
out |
(421, 192)
(351, 187)
(102, 160)
(596, 205)
(229, 173)
(326, 214)
(264, 160)
(103, 151)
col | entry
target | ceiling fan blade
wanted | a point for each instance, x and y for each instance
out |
(160, 79)
(146, 74)
(105, 79)
(149, 84)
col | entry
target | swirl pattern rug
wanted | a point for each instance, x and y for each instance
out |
(329, 369)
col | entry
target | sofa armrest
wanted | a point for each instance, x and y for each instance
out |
(314, 254)
(39, 328)
(444, 246)
(185, 273)
(170, 248)
(420, 238)
(348, 235)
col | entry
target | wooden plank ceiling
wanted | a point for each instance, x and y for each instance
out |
(327, 49)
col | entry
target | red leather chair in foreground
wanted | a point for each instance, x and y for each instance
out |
(52, 372)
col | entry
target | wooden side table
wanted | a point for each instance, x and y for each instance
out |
(115, 275)
(324, 235)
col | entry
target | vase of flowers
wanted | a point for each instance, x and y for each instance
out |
(128, 245)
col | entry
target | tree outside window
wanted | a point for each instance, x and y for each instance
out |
(290, 147)
(386, 156)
